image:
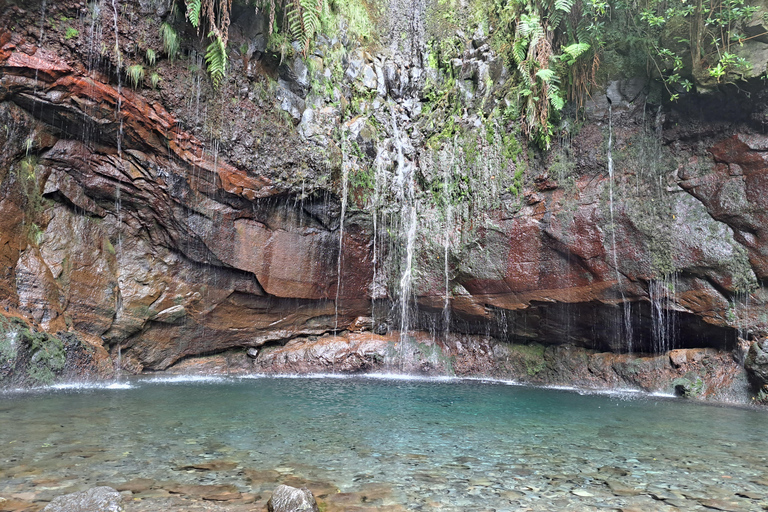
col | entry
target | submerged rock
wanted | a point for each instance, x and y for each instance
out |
(98, 499)
(291, 499)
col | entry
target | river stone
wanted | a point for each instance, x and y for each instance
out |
(291, 499)
(98, 499)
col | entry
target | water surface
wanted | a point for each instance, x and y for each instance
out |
(377, 443)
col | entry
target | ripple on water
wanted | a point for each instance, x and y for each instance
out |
(383, 442)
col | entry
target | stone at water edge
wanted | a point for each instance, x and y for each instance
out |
(291, 499)
(98, 499)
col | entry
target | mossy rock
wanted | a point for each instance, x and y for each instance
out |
(688, 387)
(530, 356)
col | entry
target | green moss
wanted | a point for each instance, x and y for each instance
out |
(531, 356)
(47, 356)
(689, 386)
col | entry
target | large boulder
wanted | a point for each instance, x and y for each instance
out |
(290, 499)
(98, 499)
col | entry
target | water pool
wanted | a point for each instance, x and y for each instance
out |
(374, 443)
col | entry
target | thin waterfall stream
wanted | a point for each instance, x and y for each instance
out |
(345, 167)
(626, 306)
(406, 195)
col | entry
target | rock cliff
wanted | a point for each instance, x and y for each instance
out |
(344, 216)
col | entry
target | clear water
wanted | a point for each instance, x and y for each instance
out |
(423, 445)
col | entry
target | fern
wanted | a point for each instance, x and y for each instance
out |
(155, 79)
(193, 12)
(564, 5)
(530, 26)
(519, 49)
(216, 59)
(562, 8)
(151, 57)
(136, 74)
(170, 40)
(295, 23)
(303, 17)
(546, 75)
(572, 52)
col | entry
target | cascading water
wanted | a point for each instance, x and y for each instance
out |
(119, 143)
(345, 165)
(664, 329)
(42, 31)
(406, 197)
(377, 288)
(447, 176)
(626, 307)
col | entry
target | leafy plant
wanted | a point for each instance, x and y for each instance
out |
(215, 14)
(304, 21)
(216, 59)
(71, 33)
(48, 356)
(154, 79)
(698, 35)
(170, 40)
(136, 75)
(151, 57)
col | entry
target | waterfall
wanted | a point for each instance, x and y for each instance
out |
(626, 307)
(447, 175)
(406, 197)
(664, 324)
(376, 287)
(345, 165)
(119, 142)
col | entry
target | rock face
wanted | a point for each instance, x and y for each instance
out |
(148, 229)
(757, 362)
(98, 499)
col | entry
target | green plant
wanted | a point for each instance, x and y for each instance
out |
(698, 35)
(216, 59)
(71, 33)
(154, 79)
(136, 75)
(47, 356)
(531, 356)
(151, 57)
(170, 40)
(304, 21)
(216, 15)
(550, 46)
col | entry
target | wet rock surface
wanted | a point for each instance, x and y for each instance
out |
(756, 362)
(160, 231)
